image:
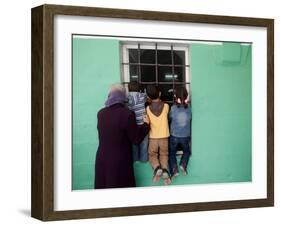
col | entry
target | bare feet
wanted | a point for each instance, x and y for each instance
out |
(166, 176)
(157, 174)
(156, 179)
(167, 181)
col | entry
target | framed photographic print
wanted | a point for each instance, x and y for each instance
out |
(142, 112)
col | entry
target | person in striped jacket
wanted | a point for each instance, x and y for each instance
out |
(136, 103)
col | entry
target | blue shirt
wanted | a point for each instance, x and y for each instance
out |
(136, 103)
(180, 118)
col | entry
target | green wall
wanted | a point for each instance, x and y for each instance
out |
(221, 107)
(95, 67)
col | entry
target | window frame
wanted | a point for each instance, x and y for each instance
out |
(152, 45)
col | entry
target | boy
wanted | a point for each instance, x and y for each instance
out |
(136, 103)
(157, 112)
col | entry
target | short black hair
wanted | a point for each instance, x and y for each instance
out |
(152, 92)
(134, 87)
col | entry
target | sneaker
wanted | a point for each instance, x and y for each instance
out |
(183, 169)
(175, 173)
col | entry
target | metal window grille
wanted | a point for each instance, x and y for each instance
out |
(173, 65)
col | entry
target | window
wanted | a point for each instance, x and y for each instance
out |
(164, 65)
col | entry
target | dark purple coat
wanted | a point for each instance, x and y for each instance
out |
(117, 131)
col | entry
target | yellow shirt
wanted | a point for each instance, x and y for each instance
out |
(159, 127)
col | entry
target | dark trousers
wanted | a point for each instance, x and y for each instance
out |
(173, 144)
(140, 151)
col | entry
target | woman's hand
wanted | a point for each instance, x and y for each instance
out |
(146, 119)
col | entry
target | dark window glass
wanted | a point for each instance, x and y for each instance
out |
(147, 56)
(165, 74)
(148, 74)
(133, 56)
(164, 57)
(134, 73)
(166, 92)
(179, 57)
(165, 71)
(179, 74)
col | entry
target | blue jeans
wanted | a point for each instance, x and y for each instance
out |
(173, 144)
(140, 152)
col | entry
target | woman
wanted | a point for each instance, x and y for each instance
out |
(117, 131)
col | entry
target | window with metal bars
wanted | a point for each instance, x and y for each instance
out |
(164, 65)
